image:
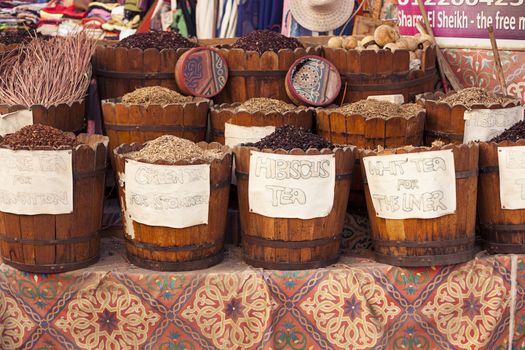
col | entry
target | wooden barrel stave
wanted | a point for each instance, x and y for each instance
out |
(369, 72)
(446, 122)
(426, 242)
(258, 75)
(503, 231)
(291, 244)
(221, 115)
(120, 70)
(196, 247)
(359, 131)
(137, 123)
(67, 241)
(66, 117)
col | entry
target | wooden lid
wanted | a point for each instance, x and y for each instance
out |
(201, 72)
(313, 80)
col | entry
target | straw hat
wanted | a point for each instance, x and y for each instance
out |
(321, 15)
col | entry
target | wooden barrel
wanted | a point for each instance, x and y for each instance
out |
(293, 244)
(66, 117)
(132, 123)
(448, 239)
(254, 75)
(368, 72)
(64, 242)
(120, 70)
(4, 47)
(363, 132)
(225, 113)
(503, 231)
(177, 249)
(446, 122)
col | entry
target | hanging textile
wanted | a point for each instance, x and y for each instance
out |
(228, 19)
(205, 18)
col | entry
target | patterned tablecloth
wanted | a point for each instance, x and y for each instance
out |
(356, 304)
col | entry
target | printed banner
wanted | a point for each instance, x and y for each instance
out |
(174, 196)
(36, 182)
(291, 186)
(512, 177)
(12, 122)
(413, 185)
(485, 124)
(464, 23)
(236, 134)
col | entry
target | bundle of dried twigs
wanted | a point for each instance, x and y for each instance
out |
(47, 72)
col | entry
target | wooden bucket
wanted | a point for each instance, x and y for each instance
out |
(368, 72)
(225, 113)
(255, 75)
(5, 48)
(446, 122)
(132, 123)
(66, 117)
(444, 240)
(120, 70)
(172, 249)
(65, 242)
(363, 132)
(293, 244)
(503, 231)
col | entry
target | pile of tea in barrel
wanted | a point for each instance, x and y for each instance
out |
(156, 40)
(266, 105)
(157, 95)
(380, 109)
(172, 149)
(472, 96)
(289, 137)
(39, 136)
(266, 40)
(514, 133)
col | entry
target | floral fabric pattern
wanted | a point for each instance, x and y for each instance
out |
(354, 304)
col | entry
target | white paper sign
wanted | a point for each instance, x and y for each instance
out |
(512, 177)
(12, 122)
(485, 124)
(290, 186)
(412, 185)
(167, 195)
(36, 182)
(396, 98)
(236, 134)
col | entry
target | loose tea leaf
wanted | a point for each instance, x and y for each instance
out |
(263, 104)
(514, 133)
(39, 136)
(380, 109)
(474, 95)
(156, 40)
(155, 95)
(289, 137)
(266, 40)
(172, 149)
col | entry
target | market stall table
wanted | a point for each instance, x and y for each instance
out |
(356, 304)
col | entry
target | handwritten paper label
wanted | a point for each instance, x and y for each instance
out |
(167, 195)
(36, 182)
(236, 134)
(512, 177)
(12, 122)
(412, 185)
(290, 186)
(484, 124)
(397, 98)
